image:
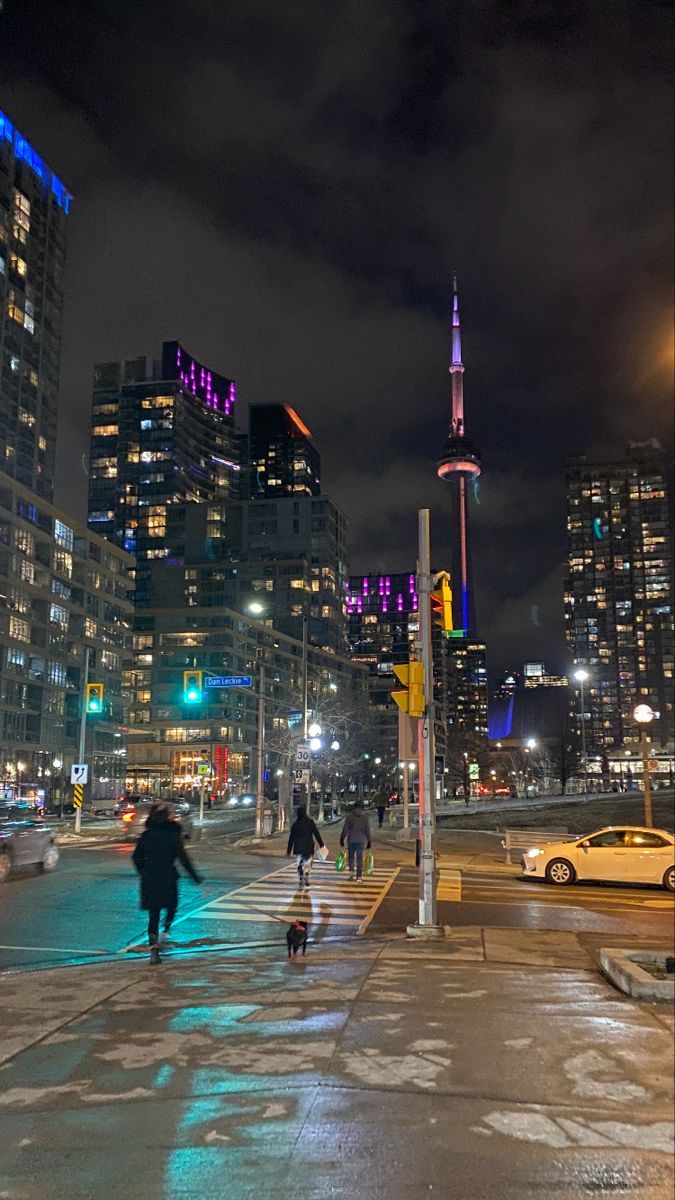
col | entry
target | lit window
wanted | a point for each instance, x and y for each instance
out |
(18, 265)
(14, 364)
(19, 629)
(105, 430)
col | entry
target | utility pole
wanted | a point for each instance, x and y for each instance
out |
(83, 733)
(260, 780)
(427, 925)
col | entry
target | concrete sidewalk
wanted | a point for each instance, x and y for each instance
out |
(497, 1065)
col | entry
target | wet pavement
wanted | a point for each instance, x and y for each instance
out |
(497, 1064)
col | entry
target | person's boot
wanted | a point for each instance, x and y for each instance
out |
(154, 954)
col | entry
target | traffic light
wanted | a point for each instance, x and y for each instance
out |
(95, 698)
(410, 698)
(441, 606)
(192, 687)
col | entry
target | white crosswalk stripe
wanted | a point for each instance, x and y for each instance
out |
(333, 899)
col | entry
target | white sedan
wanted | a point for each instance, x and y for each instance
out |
(618, 854)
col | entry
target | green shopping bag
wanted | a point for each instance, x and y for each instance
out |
(340, 860)
(368, 864)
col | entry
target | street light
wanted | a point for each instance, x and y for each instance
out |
(531, 743)
(581, 676)
(314, 730)
(335, 745)
(644, 715)
(255, 608)
(315, 743)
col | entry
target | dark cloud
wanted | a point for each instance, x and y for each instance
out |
(287, 190)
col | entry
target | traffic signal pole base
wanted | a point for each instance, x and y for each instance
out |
(428, 932)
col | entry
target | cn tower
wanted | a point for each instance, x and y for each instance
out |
(460, 464)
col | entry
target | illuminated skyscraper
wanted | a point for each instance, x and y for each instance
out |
(282, 460)
(162, 434)
(619, 593)
(34, 208)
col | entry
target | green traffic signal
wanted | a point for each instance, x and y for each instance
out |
(94, 698)
(192, 687)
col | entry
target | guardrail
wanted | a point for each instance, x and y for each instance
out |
(526, 839)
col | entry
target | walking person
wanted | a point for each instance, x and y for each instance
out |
(356, 833)
(302, 837)
(380, 802)
(154, 857)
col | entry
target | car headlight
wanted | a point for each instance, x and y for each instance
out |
(533, 853)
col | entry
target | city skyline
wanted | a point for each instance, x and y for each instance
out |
(348, 322)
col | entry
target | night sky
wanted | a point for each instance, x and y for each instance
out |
(287, 187)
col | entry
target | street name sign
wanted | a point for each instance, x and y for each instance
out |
(228, 682)
(79, 773)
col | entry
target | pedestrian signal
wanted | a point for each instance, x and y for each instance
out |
(192, 687)
(410, 698)
(95, 698)
(441, 607)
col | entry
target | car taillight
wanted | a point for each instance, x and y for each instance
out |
(128, 816)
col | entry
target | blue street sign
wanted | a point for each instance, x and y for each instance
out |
(225, 681)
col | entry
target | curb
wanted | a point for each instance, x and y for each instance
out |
(622, 968)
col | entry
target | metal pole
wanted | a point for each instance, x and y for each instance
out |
(83, 732)
(260, 780)
(583, 738)
(304, 677)
(305, 789)
(427, 925)
(646, 781)
(406, 796)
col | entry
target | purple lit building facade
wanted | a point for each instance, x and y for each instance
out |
(162, 434)
(383, 623)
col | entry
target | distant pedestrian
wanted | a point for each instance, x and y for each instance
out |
(380, 802)
(356, 833)
(157, 849)
(302, 837)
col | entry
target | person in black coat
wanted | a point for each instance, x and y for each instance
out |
(154, 857)
(303, 835)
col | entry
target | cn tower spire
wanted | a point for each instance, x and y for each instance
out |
(457, 366)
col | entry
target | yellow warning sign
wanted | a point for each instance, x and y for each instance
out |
(78, 793)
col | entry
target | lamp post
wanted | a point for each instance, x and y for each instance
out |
(260, 756)
(644, 715)
(581, 676)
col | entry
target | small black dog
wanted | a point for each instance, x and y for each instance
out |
(296, 938)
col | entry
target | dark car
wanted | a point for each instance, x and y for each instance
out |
(135, 814)
(25, 841)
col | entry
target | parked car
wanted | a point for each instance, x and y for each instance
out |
(25, 841)
(134, 816)
(617, 854)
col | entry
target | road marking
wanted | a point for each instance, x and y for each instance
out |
(333, 899)
(56, 950)
(449, 885)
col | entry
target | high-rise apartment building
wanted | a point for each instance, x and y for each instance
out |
(282, 460)
(63, 592)
(619, 593)
(286, 556)
(34, 207)
(173, 740)
(162, 434)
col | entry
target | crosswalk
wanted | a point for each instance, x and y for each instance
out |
(449, 884)
(332, 902)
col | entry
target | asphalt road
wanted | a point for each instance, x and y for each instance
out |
(502, 900)
(88, 906)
